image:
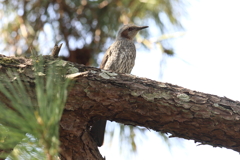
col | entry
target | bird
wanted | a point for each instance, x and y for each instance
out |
(120, 58)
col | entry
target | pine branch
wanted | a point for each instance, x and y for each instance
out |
(98, 94)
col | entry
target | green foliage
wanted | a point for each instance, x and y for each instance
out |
(30, 120)
(39, 24)
(79, 23)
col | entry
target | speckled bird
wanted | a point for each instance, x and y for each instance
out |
(120, 57)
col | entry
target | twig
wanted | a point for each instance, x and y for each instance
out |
(56, 50)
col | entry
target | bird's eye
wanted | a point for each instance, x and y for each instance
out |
(130, 29)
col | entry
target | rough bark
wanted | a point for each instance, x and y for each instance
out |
(99, 94)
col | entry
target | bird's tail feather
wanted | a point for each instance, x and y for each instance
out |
(97, 131)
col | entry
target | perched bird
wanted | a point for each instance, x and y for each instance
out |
(120, 57)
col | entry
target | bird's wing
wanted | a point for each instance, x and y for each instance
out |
(105, 58)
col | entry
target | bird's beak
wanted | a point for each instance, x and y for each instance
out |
(140, 28)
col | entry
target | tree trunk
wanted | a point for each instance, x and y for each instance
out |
(127, 99)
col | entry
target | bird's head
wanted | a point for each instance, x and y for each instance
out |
(129, 31)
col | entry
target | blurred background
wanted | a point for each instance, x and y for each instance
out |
(193, 44)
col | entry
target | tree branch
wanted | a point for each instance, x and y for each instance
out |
(98, 94)
(164, 107)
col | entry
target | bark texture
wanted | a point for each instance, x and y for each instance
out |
(99, 94)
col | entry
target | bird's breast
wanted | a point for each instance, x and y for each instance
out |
(122, 58)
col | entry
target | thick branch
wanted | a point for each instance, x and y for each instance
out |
(164, 107)
(128, 99)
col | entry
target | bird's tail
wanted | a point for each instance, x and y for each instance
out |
(97, 131)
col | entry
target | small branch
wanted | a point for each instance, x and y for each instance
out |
(56, 50)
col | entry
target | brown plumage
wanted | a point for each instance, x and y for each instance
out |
(120, 57)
